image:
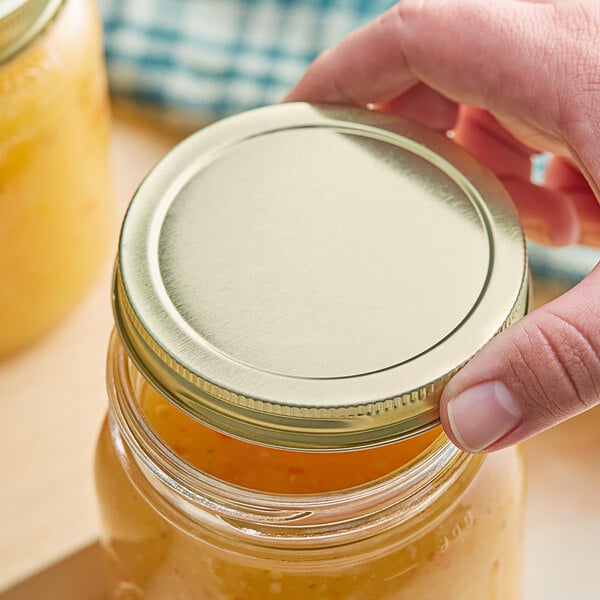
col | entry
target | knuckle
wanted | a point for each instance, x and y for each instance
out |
(528, 376)
(411, 10)
(575, 347)
(562, 365)
(408, 8)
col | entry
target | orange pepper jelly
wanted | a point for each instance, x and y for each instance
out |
(271, 469)
(298, 283)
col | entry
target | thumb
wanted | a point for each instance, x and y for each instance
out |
(537, 373)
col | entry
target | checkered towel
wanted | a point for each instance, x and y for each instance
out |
(210, 58)
(204, 59)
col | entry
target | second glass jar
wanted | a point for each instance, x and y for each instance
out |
(57, 213)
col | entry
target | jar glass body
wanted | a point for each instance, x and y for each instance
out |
(57, 213)
(445, 525)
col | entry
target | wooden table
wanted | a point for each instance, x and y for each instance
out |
(53, 400)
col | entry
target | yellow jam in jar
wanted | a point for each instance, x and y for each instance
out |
(271, 469)
(56, 209)
(305, 534)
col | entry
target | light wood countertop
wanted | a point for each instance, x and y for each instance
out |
(52, 401)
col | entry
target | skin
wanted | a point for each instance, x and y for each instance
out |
(510, 77)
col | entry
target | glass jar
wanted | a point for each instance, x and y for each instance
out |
(443, 525)
(56, 209)
(282, 339)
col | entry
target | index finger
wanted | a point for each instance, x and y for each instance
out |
(453, 47)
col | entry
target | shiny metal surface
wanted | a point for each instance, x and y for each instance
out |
(21, 21)
(310, 277)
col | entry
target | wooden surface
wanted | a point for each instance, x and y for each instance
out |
(52, 400)
(82, 575)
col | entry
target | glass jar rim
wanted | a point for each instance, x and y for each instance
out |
(270, 516)
(22, 21)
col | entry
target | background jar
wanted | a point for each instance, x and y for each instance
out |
(56, 208)
(318, 301)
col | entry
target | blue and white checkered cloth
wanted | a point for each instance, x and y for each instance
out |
(204, 59)
(210, 58)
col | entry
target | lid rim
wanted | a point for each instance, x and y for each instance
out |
(261, 415)
(267, 424)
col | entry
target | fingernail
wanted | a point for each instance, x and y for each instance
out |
(483, 414)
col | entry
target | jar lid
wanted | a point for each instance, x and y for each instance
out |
(310, 276)
(21, 21)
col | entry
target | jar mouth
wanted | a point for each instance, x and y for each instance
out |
(264, 514)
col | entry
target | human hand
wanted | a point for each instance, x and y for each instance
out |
(510, 77)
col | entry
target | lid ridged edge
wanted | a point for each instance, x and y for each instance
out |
(270, 423)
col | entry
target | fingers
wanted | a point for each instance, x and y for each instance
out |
(418, 61)
(492, 144)
(366, 67)
(542, 370)
(561, 212)
(588, 213)
(547, 216)
(423, 105)
(568, 181)
(425, 41)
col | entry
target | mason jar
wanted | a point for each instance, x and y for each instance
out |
(294, 287)
(56, 209)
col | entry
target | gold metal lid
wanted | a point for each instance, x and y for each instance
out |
(310, 276)
(21, 21)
